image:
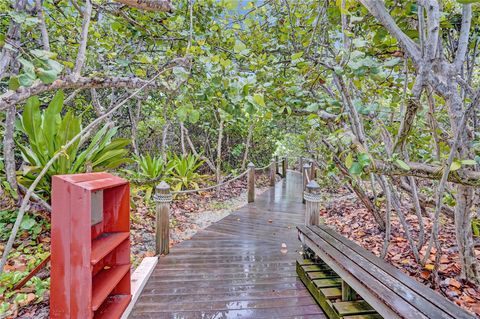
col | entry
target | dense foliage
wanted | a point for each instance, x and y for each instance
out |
(382, 95)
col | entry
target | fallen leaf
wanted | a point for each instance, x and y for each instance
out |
(429, 267)
(455, 283)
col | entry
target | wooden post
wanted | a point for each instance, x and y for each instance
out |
(312, 201)
(251, 182)
(272, 173)
(348, 294)
(313, 170)
(276, 164)
(284, 167)
(301, 164)
(305, 175)
(163, 198)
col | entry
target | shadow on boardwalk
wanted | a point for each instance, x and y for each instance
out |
(236, 268)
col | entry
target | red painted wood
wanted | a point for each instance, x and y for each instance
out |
(113, 307)
(81, 253)
(105, 243)
(104, 283)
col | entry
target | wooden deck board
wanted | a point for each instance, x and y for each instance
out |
(236, 268)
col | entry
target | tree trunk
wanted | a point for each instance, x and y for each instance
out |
(8, 148)
(182, 139)
(163, 146)
(218, 170)
(247, 146)
(463, 227)
(133, 127)
(464, 197)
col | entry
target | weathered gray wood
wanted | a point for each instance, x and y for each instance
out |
(251, 183)
(162, 221)
(348, 294)
(235, 268)
(369, 280)
(417, 294)
(312, 203)
(305, 177)
(272, 173)
(313, 170)
(355, 276)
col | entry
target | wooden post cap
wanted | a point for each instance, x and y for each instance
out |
(162, 187)
(251, 165)
(162, 193)
(313, 186)
(306, 165)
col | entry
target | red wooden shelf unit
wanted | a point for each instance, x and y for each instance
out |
(90, 276)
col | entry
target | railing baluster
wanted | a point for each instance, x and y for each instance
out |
(272, 173)
(251, 182)
(163, 198)
(312, 198)
(284, 167)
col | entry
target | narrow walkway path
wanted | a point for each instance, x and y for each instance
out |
(236, 268)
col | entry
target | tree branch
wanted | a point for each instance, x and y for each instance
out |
(13, 97)
(149, 5)
(464, 36)
(433, 172)
(378, 10)
(43, 26)
(82, 49)
(81, 137)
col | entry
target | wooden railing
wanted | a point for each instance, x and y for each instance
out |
(164, 196)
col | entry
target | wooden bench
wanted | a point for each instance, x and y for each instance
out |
(350, 282)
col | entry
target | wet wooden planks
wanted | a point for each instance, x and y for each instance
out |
(236, 268)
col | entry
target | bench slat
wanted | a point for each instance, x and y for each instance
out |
(417, 301)
(426, 293)
(378, 296)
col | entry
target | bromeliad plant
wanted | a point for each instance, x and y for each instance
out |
(184, 173)
(48, 131)
(150, 169)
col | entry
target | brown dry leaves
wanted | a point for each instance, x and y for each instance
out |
(354, 222)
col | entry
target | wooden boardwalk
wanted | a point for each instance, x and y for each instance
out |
(236, 268)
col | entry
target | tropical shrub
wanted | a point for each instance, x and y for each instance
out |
(184, 172)
(4, 183)
(149, 170)
(152, 167)
(48, 131)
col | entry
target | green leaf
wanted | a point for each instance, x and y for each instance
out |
(297, 56)
(456, 164)
(312, 107)
(112, 154)
(47, 76)
(194, 116)
(52, 119)
(180, 73)
(391, 62)
(42, 54)
(349, 160)
(402, 164)
(28, 66)
(258, 98)
(239, 46)
(363, 159)
(468, 162)
(26, 79)
(13, 83)
(27, 223)
(355, 169)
